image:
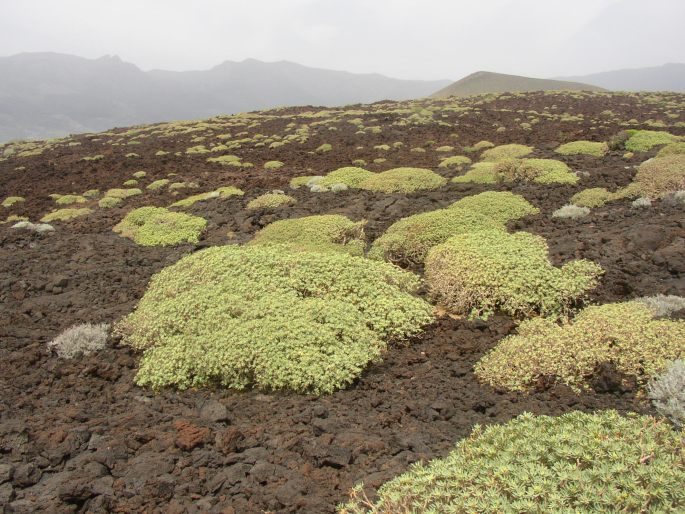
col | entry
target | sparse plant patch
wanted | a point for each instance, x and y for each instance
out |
(479, 173)
(108, 202)
(403, 180)
(502, 206)
(226, 160)
(273, 165)
(672, 149)
(65, 214)
(502, 152)
(298, 182)
(663, 305)
(80, 340)
(349, 175)
(583, 148)
(158, 184)
(157, 226)
(69, 199)
(645, 140)
(12, 200)
(541, 171)
(571, 211)
(593, 197)
(271, 201)
(641, 203)
(123, 193)
(222, 192)
(456, 161)
(324, 148)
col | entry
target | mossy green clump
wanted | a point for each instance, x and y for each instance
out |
(130, 183)
(298, 182)
(456, 161)
(93, 158)
(624, 335)
(658, 177)
(512, 151)
(593, 197)
(158, 184)
(595, 149)
(226, 160)
(266, 317)
(541, 171)
(324, 148)
(444, 149)
(271, 201)
(123, 193)
(69, 199)
(479, 173)
(65, 214)
(403, 180)
(482, 145)
(12, 200)
(672, 149)
(91, 193)
(577, 462)
(139, 174)
(502, 206)
(222, 192)
(273, 165)
(324, 233)
(108, 202)
(351, 176)
(645, 140)
(478, 273)
(157, 226)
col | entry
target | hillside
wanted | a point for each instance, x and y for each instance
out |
(669, 77)
(51, 95)
(290, 302)
(488, 82)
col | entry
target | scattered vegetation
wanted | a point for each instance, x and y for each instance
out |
(350, 176)
(65, 214)
(222, 192)
(583, 148)
(12, 200)
(502, 152)
(273, 165)
(456, 161)
(271, 201)
(123, 193)
(157, 226)
(656, 178)
(403, 180)
(593, 197)
(645, 140)
(108, 202)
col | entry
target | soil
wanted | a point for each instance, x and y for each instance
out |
(79, 436)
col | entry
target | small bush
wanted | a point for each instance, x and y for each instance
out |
(65, 214)
(675, 199)
(158, 184)
(130, 183)
(157, 226)
(656, 178)
(322, 233)
(477, 273)
(273, 165)
(622, 334)
(541, 171)
(79, 340)
(324, 148)
(456, 161)
(667, 392)
(583, 148)
(482, 145)
(577, 462)
(479, 173)
(593, 197)
(618, 141)
(672, 149)
(266, 317)
(645, 140)
(502, 206)
(403, 180)
(226, 160)
(108, 202)
(512, 151)
(297, 182)
(444, 149)
(571, 211)
(641, 203)
(93, 158)
(12, 200)
(123, 193)
(222, 192)
(349, 175)
(139, 174)
(69, 199)
(271, 201)
(91, 193)
(663, 305)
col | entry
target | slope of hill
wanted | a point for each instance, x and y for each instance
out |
(668, 77)
(489, 82)
(48, 94)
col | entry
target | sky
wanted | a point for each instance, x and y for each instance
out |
(420, 39)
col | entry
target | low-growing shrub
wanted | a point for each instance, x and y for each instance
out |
(324, 148)
(456, 161)
(226, 160)
(123, 193)
(477, 273)
(663, 305)
(656, 178)
(297, 182)
(79, 340)
(324, 233)
(222, 192)
(337, 188)
(69, 199)
(641, 202)
(577, 462)
(158, 184)
(571, 211)
(667, 392)
(482, 145)
(541, 171)
(645, 140)
(273, 165)
(583, 148)
(65, 214)
(502, 206)
(593, 197)
(93, 158)
(139, 174)
(130, 183)
(270, 318)
(12, 200)
(617, 142)
(157, 226)
(403, 180)
(349, 175)
(512, 151)
(444, 149)
(624, 335)
(271, 201)
(108, 202)
(479, 173)
(91, 193)
(672, 149)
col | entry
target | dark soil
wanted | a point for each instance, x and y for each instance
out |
(79, 436)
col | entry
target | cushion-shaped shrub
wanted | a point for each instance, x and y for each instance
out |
(625, 335)
(273, 165)
(108, 202)
(157, 226)
(123, 193)
(226, 160)
(78, 340)
(595, 149)
(270, 318)
(656, 178)
(480, 272)
(511, 151)
(271, 201)
(456, 161)
(12, 200)
(667, 392)
(672, 149)
(541, 171)
(481, 145)
(324, 148)
(571, 211)
(158, 184)
(65, 214)
(479, 173)
(323, 233)
(645, 140)
(69, 199)
(502, 206)
(222, 192)
(577, 462)
(593, 197)
(349, 175)
(403, 180)
(297, 182)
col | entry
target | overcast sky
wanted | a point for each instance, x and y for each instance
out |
(421, 39)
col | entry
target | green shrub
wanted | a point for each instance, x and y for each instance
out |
(324, 233)
(130, 183)
(383, 148)
(222, 192)
(502, 206)
(403, 180)
(583, 148)
(69, 199)
(174, 186)
(12, 200)
(93, 158)
(593, 197)
(158, 184)
(667, 392)
(349, 175)
(271, 201)
(478, 273)
(91, 193)
(108, 202)
(479, 173)
(656, 178)
(618, 141)
(577, 462)
(622, 334)
(444, 149)
(266, 317)
(512, 151)
(157, 226)
(541, 171)
(273, 165)
(123, 193)
(455, 161)
(139, 174)
(482, 145)
(672, 149)
(226, 160)
(324, 148)
(65, 214)
(298, 182)
(645, 140)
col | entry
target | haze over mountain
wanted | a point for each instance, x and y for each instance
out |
(489, 82)
(668, 77)
(49, 94)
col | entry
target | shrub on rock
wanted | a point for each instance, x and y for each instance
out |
(349, 175)
(157, 226)
(667, 392)
(271, 201)
(79, 340)
(403, 180)
(595, 149)
(658, 177)
(511, 151)
(645, 140)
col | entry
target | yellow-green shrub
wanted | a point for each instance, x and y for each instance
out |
(157, 226)
(656, 178)
(222, 192)
(158, 184)
(480, 272)
(672, 149)
(266, 317)
(123, 193)
(349, 175)
(69, 199)
(271, 201)
(273, 165)
(298, 182)
(593, 197)
(324, 233)
(577, 462)
(479, 173)
(324, 148)
(592, 148)
(108, 202)
(12, 200)
(512, 151)
(541, 171)
(455, 161)
(622, 334)
(645, 140)
(502, 206)
(403, 180)
(65, 214)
